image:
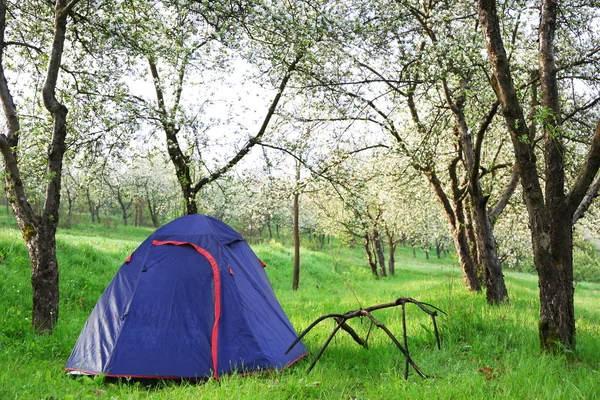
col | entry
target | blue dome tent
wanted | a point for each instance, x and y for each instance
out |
(191, 302)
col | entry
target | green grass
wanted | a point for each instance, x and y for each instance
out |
(487, 352)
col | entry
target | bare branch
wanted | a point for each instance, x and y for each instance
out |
(366, 312)
(255, 139)
(584, 107)
(589, 197)
(587, 174)
(497, 209)
(22, 44)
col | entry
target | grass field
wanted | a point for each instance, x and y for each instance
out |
(487, 352)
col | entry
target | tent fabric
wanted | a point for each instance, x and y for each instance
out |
(192, 301)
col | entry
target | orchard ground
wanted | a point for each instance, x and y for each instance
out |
(487, 352)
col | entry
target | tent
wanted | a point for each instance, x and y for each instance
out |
(192, 301)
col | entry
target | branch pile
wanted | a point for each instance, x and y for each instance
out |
(341, 320)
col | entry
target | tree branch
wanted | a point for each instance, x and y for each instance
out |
(22, 44)
(497, 209)
(585, 204)
(255, 139)
(587, 174)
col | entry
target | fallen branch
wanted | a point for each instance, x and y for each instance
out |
(341, 319)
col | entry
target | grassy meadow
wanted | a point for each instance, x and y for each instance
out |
(487, 352)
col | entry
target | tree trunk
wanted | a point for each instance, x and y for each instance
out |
(379, 252)
(190, 200)
(463, 252)
(370, 258)
(124, 211)
(41, 247)
(456, 220)
(296, 279)
(152, 211)
(391, 251)
(90, 204)
(496, 292)
(269, 227)
(471, 236)
(552, 252)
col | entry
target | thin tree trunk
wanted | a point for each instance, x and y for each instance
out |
(269, 227)
(557, 311)
(90, 204)
(70, 201)
(391, 251)
(370, 258)
(471, 237)
(463, 252)
(496, 292)
(379, 251)
(152, 211)
(296, 279)
(456, 220)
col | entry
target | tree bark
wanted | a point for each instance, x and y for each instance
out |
(467, 210)
(44, 278)
(124, 207)
(90, 204)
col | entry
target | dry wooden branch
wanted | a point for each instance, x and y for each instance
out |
(341, 319)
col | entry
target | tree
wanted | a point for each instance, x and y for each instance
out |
(122, 189)
(401, 63)
(39, 230)
(199, 42)
(550, 206)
